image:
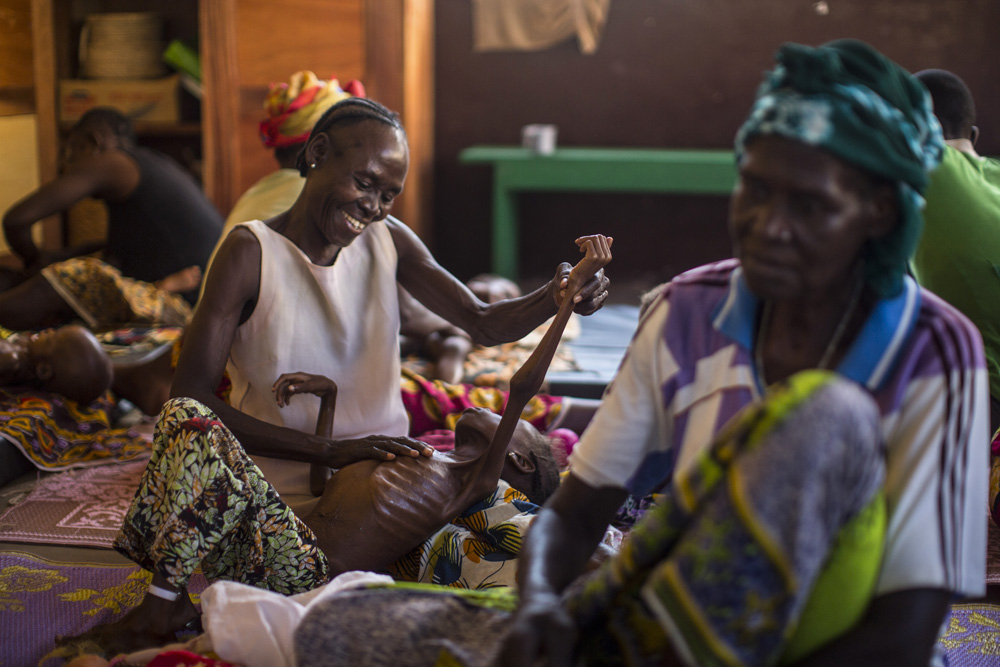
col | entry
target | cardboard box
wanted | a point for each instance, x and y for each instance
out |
(145, 100)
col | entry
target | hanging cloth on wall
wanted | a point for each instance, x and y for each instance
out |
(530, 25)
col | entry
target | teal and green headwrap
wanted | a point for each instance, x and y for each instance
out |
(852, 101)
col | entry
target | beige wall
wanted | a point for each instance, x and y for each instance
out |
(19, 168)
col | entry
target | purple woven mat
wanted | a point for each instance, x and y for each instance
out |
(972, 638)
(40, 599)
(76, 508)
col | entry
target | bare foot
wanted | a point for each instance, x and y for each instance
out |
(184, 280)
(154, 622)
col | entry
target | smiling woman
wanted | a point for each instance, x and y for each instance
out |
(311, 290)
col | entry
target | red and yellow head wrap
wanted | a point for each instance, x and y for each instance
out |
(293, 108)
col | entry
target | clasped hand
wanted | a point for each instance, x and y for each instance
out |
(591, 297)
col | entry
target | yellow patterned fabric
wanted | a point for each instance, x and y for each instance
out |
(41, 599)
(433, 404)
(478, 549)
(56, 433)
(725, 567)
(103, 298)
(293, 108)
(972, 636)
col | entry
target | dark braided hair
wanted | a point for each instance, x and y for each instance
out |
(953, 104)
(347, 112)
(108, 118)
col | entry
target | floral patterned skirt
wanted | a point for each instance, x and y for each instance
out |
(202, 502)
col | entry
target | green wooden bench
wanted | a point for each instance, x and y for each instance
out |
(517, 169)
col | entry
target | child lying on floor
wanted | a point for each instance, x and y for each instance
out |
(55, 408)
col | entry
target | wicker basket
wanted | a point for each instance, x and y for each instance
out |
(122, 46)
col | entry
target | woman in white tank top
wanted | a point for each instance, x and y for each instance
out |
(311, 290)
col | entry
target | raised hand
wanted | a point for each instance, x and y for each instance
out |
(529, 377)
(591, 290)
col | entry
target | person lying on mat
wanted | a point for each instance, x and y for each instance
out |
(423, 333)
(314, 287)
(808, 516)
(68, 361)
(160, 224)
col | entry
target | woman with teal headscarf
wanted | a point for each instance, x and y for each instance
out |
(814, 423)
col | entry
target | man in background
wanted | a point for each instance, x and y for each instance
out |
(958, 257)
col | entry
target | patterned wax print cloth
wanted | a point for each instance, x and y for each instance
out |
(105, 299)
(55, 433)
(433, 404)
(477, 549)
(807, 543)
(202, 502)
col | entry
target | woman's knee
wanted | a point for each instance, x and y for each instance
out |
(183, 413)
(819, 427)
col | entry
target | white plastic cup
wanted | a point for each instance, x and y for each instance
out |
(541, 139)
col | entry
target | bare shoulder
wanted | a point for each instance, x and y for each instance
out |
(405, 239)
(240, 244)
(235, 271)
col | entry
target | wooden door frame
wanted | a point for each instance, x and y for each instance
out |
(399, 61)
(44, 39)
(221, 104)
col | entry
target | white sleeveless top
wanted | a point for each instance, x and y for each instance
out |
(341, 321)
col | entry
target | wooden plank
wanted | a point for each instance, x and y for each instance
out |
(17, 100)
(220, 109)
(400, 72)
(609, 169)
(46, 78)
(383, 28)
(276, 40)
(17, 77)
(418, 108)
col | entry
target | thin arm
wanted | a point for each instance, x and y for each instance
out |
(529, 377)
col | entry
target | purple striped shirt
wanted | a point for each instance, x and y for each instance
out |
(689, 370)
